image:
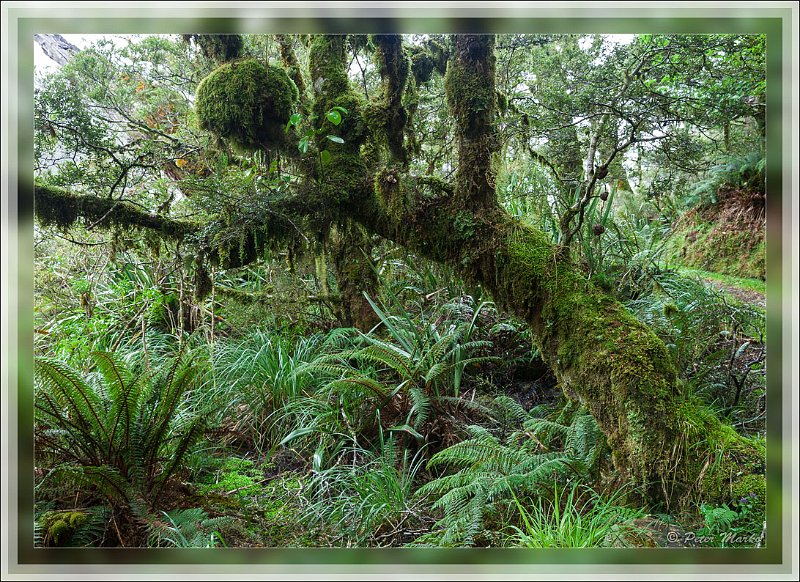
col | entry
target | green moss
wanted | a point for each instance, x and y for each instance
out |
(247, 103)
(422, 64)
(202, 281)
(727, 466)
(470, 88)
(726, 246)
(351, 248)
(427, 58)
(670, 309)
(502, 101)
(394, 67)
(290, 62)
(464, 224)
(471, 96)
(61, 525)
(327, 63)
(346, 171)
(602, 356)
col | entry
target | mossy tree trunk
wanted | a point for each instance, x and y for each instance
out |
(350, 254)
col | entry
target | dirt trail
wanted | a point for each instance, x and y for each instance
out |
(745, 295)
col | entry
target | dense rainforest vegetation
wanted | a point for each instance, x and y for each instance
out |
(400, 290)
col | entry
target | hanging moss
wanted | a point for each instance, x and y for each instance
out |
(502, 101)
(202, 280)
(422, 65)
(247, 103)
(426, 59)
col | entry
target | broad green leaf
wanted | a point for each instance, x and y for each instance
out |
(293, 120)
(335, 138)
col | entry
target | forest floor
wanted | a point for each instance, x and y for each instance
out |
(752, 291)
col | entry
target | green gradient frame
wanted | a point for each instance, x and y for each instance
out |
(24, 21)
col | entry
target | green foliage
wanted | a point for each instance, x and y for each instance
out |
(368, 502)
(490, 471)
(248, 103)
(262, 374)
(186, 528)
(725, 526)
(120, 432)
(738, 172)
(219, 47)
(705, 332)
(72, 527)
(575, 517)
(236, 476)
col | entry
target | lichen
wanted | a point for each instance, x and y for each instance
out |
(247, 103)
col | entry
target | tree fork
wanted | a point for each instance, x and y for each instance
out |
(666, 443)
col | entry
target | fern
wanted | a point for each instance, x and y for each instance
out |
(122, 434)
(187, 528)
(489, 469)
(72, 527)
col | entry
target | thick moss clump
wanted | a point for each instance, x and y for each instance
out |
(425, 59)
(328, 65)
(247, 103)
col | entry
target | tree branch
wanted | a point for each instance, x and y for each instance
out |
(55, 206)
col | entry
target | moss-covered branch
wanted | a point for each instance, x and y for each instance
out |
(292, 65)
(58, 207)
(217, 47)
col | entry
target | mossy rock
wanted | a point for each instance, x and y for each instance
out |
(247, 103)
